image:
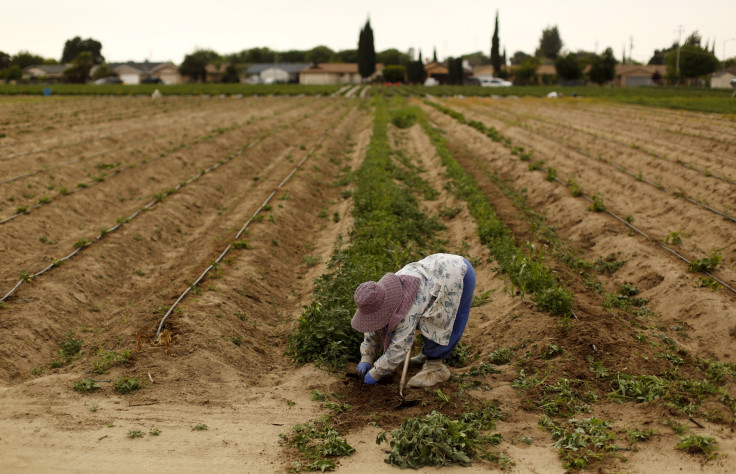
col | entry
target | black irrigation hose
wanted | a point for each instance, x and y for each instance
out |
(618, 142)
(643, 234)
(82, 244)
(238, 235)
(640, 178)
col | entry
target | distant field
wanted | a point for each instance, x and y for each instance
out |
(699, 100)
(175, 89)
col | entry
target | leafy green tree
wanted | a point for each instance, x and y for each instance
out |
(550, 43)
(366, 51)
(195, 64)
(527, 71)
(658, 58)
(4, 60)
(568, 67)
(103, 70)
(392, 57)
(603, 67)
(81, 66)
(76, 45)
(292, 56)
(415, 71)
(476, 59)
(12, 73)
(347, 56)
(231, 74)
(495, 50)
(319, 55)
(455, 70)
(519, 58)
(695, 61)
(24, 59)
(394, 73)
(260, 55)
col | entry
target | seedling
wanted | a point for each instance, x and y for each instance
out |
(154, 432)
(312, 260)
(673, 237)
(85, 386)
(125, 384)
(482, 298)
(136, 434)
(696, 444)
(575, 189)
(597, 204)
(199, 427)
(706, 264)
(501, 356)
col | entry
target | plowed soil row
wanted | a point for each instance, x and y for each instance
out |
(656, 212)
(82, 214)
(703, 318)
(221, 361)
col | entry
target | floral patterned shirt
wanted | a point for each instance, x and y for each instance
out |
(433, 312)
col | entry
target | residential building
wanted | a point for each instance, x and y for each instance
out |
(135, 73)
(633, 75)
(45, 72)
(275, 73)
(722, 79)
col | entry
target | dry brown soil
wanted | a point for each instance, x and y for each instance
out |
(221, 363)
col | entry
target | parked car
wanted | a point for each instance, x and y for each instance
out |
(151, 80)
(108, 80)
(431, 81)
(495, 82)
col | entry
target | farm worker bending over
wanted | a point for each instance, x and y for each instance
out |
(433, 295)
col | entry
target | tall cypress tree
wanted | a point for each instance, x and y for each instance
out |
(495, 53)
(366, 51)
(434, 56)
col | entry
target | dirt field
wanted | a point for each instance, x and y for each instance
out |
(71, 167)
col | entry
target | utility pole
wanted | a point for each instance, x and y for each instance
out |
(631, 48)
(677, 63)
(723, 61)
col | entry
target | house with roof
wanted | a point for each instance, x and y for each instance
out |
(135, 73)
(634, 75)
(275, 73)
(722, 79)
(331, 73)
(45, 72)
(334, 73)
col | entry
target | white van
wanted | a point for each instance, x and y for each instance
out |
(494, 82)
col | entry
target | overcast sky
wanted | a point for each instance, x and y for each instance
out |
(163, 30)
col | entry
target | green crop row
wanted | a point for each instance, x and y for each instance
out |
(173, 89)
(389, 231)
(526, 270)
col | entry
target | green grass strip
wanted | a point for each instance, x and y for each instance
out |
(389, 231)
(171, 89)
(526, 270)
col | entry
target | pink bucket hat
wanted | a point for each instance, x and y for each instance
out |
(384, 303)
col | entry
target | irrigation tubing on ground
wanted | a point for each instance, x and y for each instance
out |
(618, 142)
(641, 178)
(643, 234)
(238, 235)
(82, 244)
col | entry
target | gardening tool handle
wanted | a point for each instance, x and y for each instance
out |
(403, 373)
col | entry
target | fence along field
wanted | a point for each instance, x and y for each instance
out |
(626, 332)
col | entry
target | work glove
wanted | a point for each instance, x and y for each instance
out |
(362, 369)
(368, 379)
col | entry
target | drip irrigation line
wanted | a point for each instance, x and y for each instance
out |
(239, 234)
(157, 199)
(637, 177)
(83, 244)
(340, 91)
(70, 162)
(643, 234)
